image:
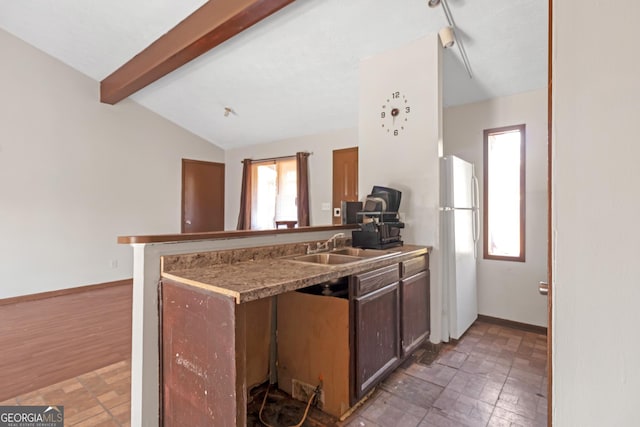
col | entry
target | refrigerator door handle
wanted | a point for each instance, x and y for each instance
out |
(476, 214)
(474, 227)
(476, 192)
(474, 232)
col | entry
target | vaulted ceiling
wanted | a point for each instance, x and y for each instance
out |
(295, 72)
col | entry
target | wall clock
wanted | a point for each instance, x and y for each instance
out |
(394, 114)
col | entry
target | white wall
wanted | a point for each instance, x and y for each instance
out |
(409, 161)
(509, 290)
(75, 174)
(596, 204)
(320, 170)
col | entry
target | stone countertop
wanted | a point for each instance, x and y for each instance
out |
(251, 280)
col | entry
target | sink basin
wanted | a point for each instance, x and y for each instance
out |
(342, 256)
(363, 253)
(328, 258)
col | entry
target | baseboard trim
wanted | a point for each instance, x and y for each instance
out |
(68, 291)
(513, 324)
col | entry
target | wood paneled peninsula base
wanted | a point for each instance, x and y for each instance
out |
(342, 327)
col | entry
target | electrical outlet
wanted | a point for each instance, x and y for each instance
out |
(303, 392)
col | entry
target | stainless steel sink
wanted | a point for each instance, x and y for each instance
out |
(363, 253)
(327, 258)
(342, 256)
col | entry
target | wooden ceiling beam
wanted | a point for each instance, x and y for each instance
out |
(212, 24)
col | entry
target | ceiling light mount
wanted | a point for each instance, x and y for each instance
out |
(433, 3)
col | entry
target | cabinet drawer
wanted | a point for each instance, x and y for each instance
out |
(415, 265)
(375, 279)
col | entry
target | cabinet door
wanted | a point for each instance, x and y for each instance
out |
(377, 336)
(415, 307)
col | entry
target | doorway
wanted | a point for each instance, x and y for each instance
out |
(345, 180)
(202, 196)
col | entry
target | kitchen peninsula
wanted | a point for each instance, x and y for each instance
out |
(225, 295)
(229, 292)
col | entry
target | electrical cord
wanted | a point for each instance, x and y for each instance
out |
(304, 416)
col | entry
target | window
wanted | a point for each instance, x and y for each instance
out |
(504, 202)
(273, 193)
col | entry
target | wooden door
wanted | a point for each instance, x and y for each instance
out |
(202, 196)
(345, 179)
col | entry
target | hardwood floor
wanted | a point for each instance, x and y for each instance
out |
(47, 341)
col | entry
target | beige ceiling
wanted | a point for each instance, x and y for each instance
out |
(294, 73)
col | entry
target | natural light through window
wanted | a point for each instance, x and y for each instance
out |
(274, 191)
(504, 193)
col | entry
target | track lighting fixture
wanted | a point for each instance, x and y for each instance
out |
(449, 35)
(446, 37)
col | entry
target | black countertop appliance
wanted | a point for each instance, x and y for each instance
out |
(379, 221)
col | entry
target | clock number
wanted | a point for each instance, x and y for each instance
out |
(395, 95)
(382, 115)
(407, 109)
(395, 132)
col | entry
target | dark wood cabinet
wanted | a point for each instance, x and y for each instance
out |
(390, 318)
(414, 295)
(376, 327)
(415, 302)
(377, 336)
(350, 344)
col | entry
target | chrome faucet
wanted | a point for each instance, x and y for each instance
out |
(331, 243)
(325, 246)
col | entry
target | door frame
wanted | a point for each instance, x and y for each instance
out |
(549, 219)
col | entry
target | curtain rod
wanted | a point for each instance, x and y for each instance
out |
(268, 159)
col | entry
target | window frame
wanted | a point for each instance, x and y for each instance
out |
(277, 163)
(485, 208)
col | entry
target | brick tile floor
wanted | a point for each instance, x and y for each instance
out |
(494, 376)
(97, 398)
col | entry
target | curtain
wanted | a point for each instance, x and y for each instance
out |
(302, 170)
(244, 217)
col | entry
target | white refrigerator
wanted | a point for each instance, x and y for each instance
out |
(459, 243)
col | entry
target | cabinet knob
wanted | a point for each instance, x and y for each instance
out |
(188, 222)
